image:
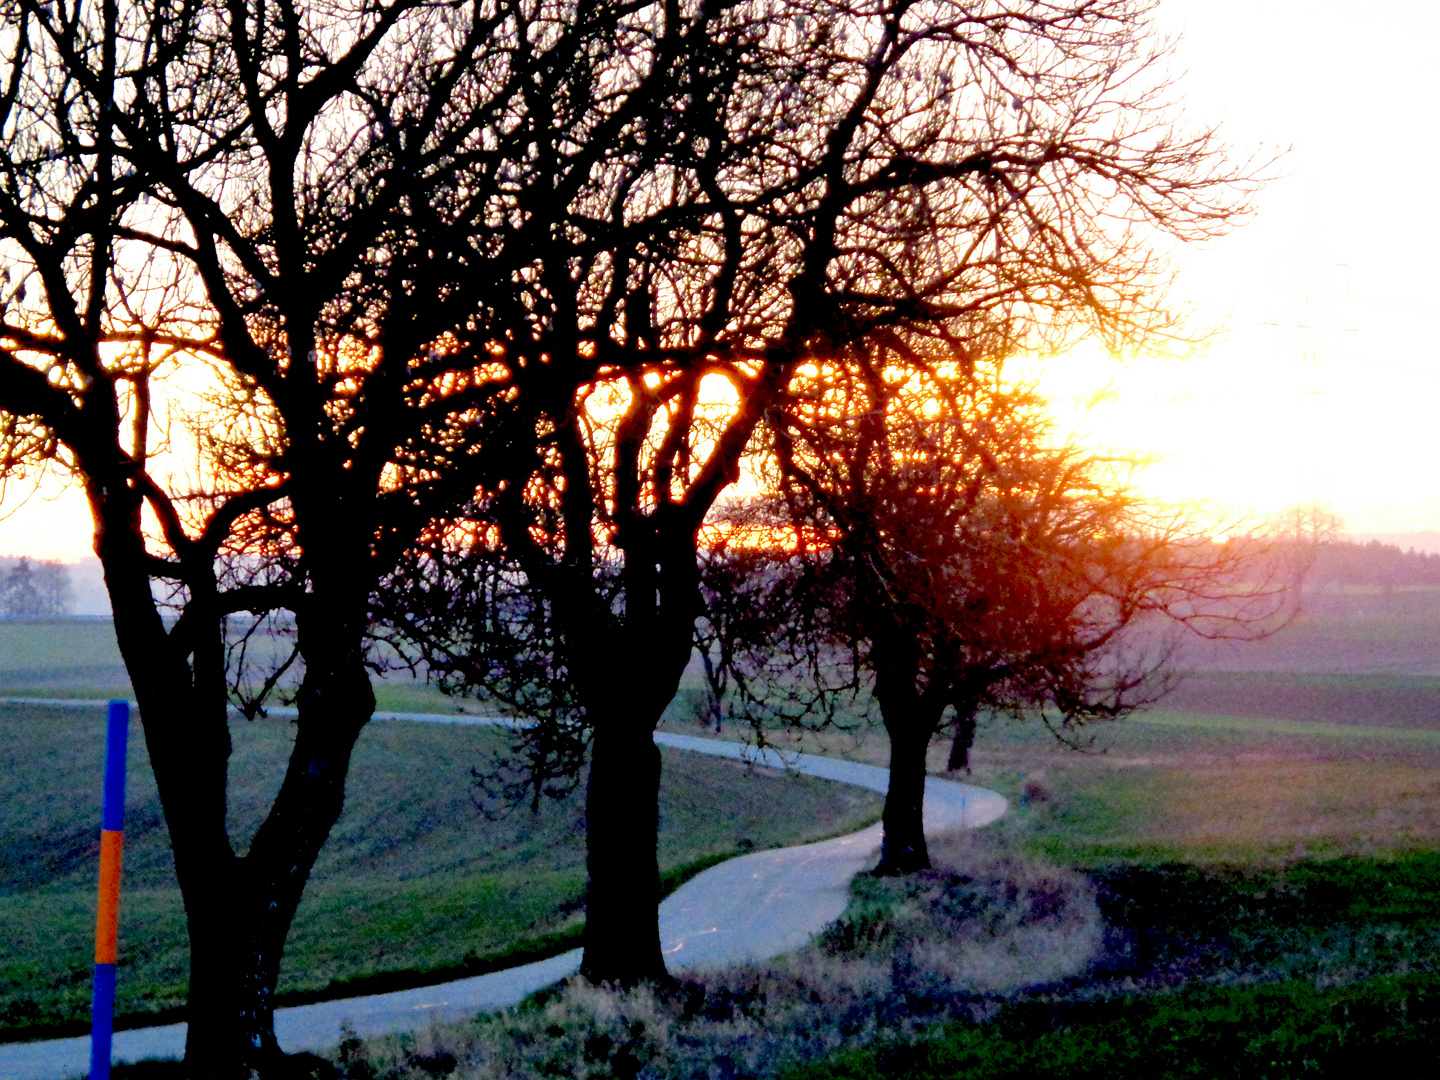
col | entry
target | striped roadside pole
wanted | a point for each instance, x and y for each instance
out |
(107, 917)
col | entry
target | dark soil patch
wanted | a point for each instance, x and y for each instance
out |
(1337, 700)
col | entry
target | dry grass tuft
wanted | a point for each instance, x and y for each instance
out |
(909, 953)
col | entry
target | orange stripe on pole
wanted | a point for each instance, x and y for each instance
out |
(107, 919)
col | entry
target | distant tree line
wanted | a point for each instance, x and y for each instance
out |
(1340, 563)
(34, 588)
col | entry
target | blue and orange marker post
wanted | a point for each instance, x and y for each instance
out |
(107, 918)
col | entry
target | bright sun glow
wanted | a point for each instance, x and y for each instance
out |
(1325, 382)
(1286, 406)
(1223, 428)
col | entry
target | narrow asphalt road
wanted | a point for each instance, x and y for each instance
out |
(749, 908)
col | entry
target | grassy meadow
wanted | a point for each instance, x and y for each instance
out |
(78, 658)
(1268, 890)
(1239, 883)
(416, 884)
(71, 658)
(1190, 898)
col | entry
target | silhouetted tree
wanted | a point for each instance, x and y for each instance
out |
(35, 588)
(21, 599)
(225, 304)
(540, 266)
(986, 566)
(768, 633)
(713, 199)
(52, 581)
(690, 204)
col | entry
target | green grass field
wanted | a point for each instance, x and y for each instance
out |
(415, 885)
(78, 658)
(1269, 883)
(73, 658)
(1263, 851)
(1266, 884)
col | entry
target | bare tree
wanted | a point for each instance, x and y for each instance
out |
(770, 632)
(299, 286)
(21, 597)
(987, 566)
(227, 297)
(709, 199)
(52, 580)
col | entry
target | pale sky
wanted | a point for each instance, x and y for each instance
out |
(1326, 383)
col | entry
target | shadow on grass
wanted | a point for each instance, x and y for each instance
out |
(1284, 1030)
(1343, 918)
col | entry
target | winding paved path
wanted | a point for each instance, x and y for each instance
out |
(748, 908)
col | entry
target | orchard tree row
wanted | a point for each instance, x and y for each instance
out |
(354, 314)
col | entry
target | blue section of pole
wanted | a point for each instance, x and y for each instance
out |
(102, 1031)
(117, 737)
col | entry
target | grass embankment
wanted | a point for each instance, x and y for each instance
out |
(414, 886)
(79, 659)
(1199, 899)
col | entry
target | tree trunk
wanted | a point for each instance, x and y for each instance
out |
(191, 776)
(964, 741)
(238, 911)
(189, 752)
(911, 717)
(628, 681)
(217, 1044)
(187, 736)
(903, 849)
(622, 812)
